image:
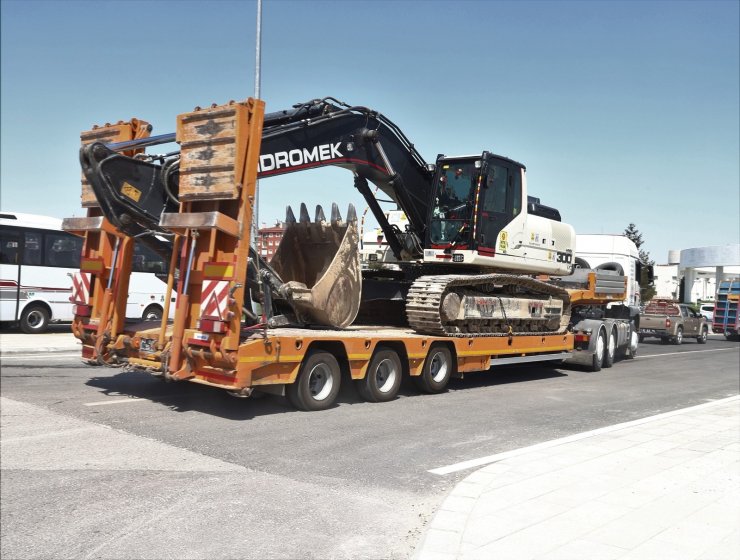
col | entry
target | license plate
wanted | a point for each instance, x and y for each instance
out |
(648, 331)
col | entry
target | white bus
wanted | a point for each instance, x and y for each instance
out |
(37, 262)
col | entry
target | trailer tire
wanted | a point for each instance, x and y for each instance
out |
(436, 372)
(678, 339)
(383, 377)
(610, 350)
(317, 384)
(598, 358)
(702, 338)
(34, 319)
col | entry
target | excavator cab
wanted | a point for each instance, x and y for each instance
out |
(477, 217)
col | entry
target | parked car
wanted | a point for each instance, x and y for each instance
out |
(707, 310)
(672, 321)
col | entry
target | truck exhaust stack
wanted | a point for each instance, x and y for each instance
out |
(319, 263)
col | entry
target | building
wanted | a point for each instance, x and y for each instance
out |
(268, 239)
(700, 269)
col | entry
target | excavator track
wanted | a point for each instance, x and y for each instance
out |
(424, 305)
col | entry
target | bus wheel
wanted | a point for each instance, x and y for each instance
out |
(383, 377)
(34, 319)
(152, 313)
(317, 384)
(437, 370)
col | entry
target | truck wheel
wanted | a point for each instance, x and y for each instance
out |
(152, 313)
(598, 357)
(702, 338)
(436, 372)
(317, 384)
(383, 377)
(640, 337)
(34, 319)
(611, 348)
(678, 339)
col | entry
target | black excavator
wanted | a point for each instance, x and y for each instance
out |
(463, 266)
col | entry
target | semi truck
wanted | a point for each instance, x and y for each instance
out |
(725, 319)
(462, 296)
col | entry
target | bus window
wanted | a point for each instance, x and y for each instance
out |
(9, 245)
(32, 248)
(62, 250)
(146, 260)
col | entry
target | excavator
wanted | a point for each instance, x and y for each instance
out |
(465, 263)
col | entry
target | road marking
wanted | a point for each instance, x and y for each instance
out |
(687, 352)
(464, 465)
(117, 401)
(45, 356)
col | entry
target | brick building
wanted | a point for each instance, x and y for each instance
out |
(268, 239)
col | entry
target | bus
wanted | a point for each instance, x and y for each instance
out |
(38, 261)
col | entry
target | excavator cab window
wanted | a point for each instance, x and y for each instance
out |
(453, 203)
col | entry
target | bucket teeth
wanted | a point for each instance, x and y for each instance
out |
(289, 216)
(304, 214)
(336, 217)
(319, 214)
(351, 214)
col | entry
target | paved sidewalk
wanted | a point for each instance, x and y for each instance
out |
(21, 343)
(665, 487)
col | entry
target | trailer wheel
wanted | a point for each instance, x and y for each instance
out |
(598, 357)
(383, 377)
(317, 385)
(611, 349)
(702, 338)
(437, 370)
(34, 319)
(678, 339)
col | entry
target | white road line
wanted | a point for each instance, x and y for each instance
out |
(117, 401)
(575, 437)
(687, 352)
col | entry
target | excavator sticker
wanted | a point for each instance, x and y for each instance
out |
(503, 243)
(130, 191)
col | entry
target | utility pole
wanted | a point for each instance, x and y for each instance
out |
(257, 80)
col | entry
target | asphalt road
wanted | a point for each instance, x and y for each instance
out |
(185, 471)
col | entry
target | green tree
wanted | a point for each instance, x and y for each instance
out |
(647, 290)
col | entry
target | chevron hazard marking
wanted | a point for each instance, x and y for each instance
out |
(214, 299)
(80, 288)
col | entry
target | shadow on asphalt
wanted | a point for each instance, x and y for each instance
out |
(52, 328)
(187, 397)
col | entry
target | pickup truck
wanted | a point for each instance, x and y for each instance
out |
(672, 321)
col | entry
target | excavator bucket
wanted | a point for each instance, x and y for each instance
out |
(319, 264)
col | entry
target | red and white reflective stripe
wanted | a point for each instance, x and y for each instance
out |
(214, 299)
(80, 288)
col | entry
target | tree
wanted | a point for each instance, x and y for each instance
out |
(647, 291)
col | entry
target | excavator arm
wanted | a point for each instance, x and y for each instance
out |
(134, 192)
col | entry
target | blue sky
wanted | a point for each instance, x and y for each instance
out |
(622, 111)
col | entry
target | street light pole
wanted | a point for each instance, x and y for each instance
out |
(257, 80)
